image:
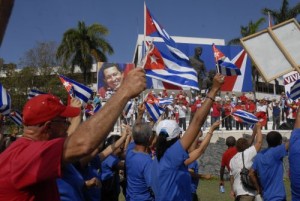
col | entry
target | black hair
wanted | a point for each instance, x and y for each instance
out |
(230, 141)
(109, 65)
(274, 139)
(162, 144)
(112, 139)
(242, 144)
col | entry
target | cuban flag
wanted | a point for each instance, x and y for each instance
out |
(244, 117)
(153, 108)
(33, 92)
(75, 89)
(161, 65)
(154, 29)
(165, 101)
(97, 107)
(295, 91)
(224, 65)
(5, 101)
(16, 117)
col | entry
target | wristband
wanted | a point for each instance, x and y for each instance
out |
(213, 100)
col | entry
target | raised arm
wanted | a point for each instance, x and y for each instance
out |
(75, 121)
(92, 132)
(201, 114)
(194, 155)
(259, 138)
(297, 122)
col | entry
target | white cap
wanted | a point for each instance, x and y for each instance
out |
(168, 127)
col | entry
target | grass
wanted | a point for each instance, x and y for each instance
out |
(208, 190)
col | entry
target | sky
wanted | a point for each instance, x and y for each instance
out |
(35, 21)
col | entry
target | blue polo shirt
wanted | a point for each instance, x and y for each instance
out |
(294, 153)
(71, 184)
(138, 167)
(170, 177)
(269, 166)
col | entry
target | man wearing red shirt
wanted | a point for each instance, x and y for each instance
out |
(228, 119)
(226, 157)
(30, 166)
(216, 110)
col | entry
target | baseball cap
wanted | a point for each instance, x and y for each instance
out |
(45, 107)
(168, 127)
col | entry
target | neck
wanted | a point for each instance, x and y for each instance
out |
(140, 148)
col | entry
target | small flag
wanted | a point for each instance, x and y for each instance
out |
(33, 92)
(97, 107)
(245, 117)
(295, 91)
(16, 117)
(76, 89)
(5, 101)
(165, 101)
(152, 106)
(224, 65)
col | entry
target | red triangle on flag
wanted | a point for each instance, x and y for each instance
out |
(217, 53)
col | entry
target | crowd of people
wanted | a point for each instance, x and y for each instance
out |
(61, 157)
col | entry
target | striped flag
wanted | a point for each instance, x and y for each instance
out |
(224, 65)
(127, 107)
(154, 29)
(245, 117)
(75, 89)
(16, 117)
(165, 101)
(33, 92)
(295, 91)
(5, 101)
(161, 65)
(152, 106)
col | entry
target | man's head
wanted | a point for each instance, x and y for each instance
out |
(112, 75)
(198, 51)
(274, 139)
(47, 111)
(141, 134)
(230, 141)
(242, 144)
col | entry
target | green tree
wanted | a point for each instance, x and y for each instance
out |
(84, 45)
(284, 13)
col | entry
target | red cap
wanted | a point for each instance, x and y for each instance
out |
(44, 108)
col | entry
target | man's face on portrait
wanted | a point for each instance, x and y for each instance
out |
(112, 77)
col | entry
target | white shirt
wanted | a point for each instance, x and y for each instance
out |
(181, 111)
(261, 108)
(236, 165)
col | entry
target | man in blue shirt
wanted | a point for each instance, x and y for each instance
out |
(268, 167)
(138, 165)
(294, 161)
(276, 115)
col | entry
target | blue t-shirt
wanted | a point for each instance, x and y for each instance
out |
(107, 167)
(71, 184)
(93, 169)
(170, 179)
(294, 153)
(194, 181)
(138, 167)
(269, 166)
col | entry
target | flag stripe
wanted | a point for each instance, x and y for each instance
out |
(246, 117)
(154, 111)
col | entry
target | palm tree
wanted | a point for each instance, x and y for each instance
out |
(284, 13)
(83, 46)
(252, 28)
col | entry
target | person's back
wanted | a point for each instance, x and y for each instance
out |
(170, 170)
(138, 163)
(26, 173)
(268, 167)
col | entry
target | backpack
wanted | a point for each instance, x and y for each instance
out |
(245, 179)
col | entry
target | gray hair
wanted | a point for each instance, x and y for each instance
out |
(141, 133)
